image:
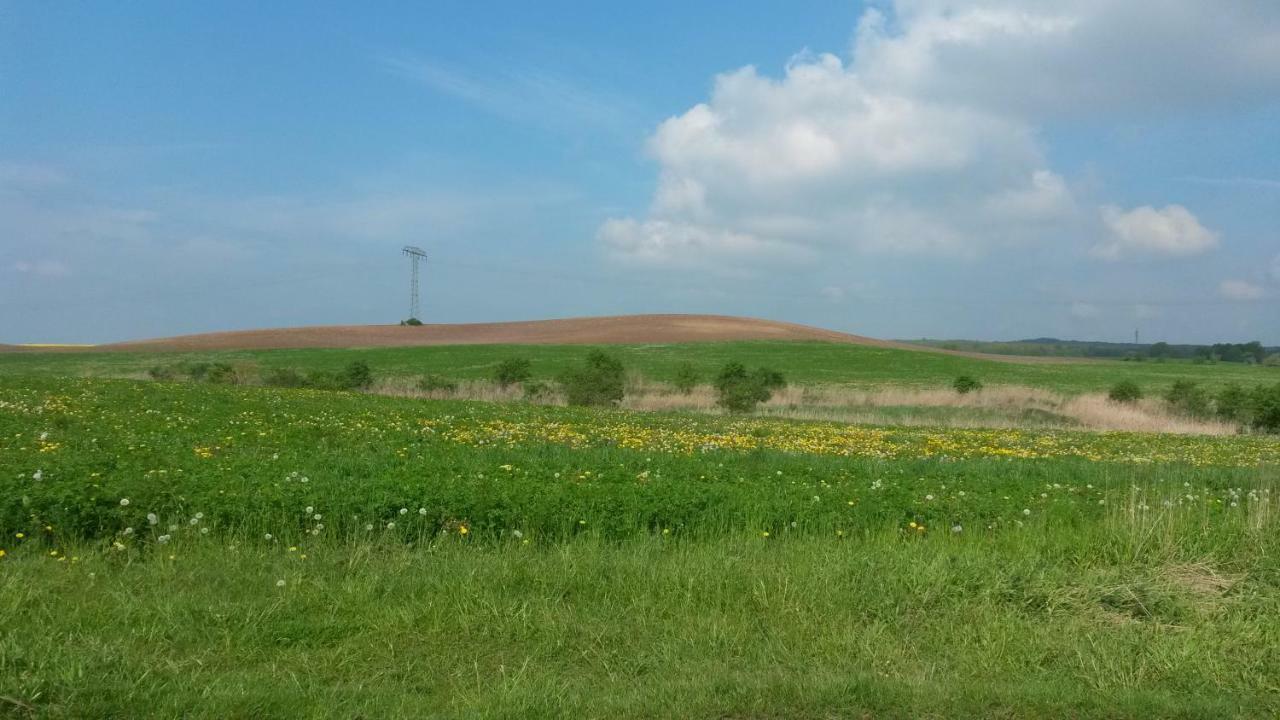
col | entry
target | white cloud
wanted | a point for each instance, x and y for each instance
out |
(1084, 310)
(1241, 290)
(927, 140)
(1171, 231)
(42, 268)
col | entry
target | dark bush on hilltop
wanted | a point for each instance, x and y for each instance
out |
(436, 383)
(686, 378)
(1125, 391)
(966, 384)
(285, 378)
(739, 391)
(413, 322)
(1188, 398)
(599, 382)
(512, 371)
(1266, 408)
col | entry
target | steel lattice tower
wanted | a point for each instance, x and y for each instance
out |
(414, 254)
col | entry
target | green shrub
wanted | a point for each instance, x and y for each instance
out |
(686, 378)
(222, 374)
(162, 372)
(739, 391)
(436, 383)
(536, 390)
(413, 322)
(1232, 404)
(1266, 408)
(321, 380)
(1125, 391)
(355, 376)
(512, 371)
(286, 378)
(1188, 398)
(966, 384)
(600, 382)
(197, 371)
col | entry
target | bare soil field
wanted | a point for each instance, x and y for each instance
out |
(627, 329)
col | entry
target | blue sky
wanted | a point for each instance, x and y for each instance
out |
(990, 169)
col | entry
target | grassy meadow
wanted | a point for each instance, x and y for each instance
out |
(802, 362)
(196, 550)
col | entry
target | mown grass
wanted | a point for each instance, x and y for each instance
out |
(802, 362)
(319, 554)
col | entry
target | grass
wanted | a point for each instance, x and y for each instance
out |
(802, 362)
(460, 559)
(1044, 623)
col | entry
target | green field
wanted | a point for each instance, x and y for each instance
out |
(802, 362)
(191, 550)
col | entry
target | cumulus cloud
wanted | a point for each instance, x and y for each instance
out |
(926, 139)
(1171, 231)
(1241, 290)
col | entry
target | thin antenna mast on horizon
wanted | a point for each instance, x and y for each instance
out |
(414, 254)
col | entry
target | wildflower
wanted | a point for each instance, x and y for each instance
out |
(310, 509)
(153, 519)
(128, 531)
(368, 526)
(2, 552)
(839, 533)
(463, 530)
(957, 528)
(280, 583)
(764, 534)
(317, 516)
(517, 534)
(267, 537)
(391, 526)
(124, 502)
(204, 531)
(37, 475)
(404, 511)
(19, 535)
(928, 497)
(912, 524)
(164, 539)
(1026, 511)
(422, 511)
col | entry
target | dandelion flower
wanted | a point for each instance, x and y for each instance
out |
(164, 539)
(19, 535)
(37, 475)
(404, 511)
(280, 583)
(422, 511)
(517, 534)
(2, 552)
(268, 537)
(124, 502)
(957, 528)
(463, 530)
(391, 526)
(1026, 511)
(153, 519)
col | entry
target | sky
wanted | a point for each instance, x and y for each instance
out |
(994, 169)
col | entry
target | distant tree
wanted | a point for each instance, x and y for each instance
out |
(1125, 391)
(1187, 398)
(599, 382)
(411, 321)
(1159, 350)
(686, 378)
(739, 391)
(512, 371)
(355, 376)
(966, 384)
(1266, 408)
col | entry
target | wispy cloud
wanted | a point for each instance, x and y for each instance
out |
(1236, 181)
(528, 96)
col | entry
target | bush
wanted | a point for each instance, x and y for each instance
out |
(686, 378)
(196, 371)
(222, 374)
(512, 371)
(436, 383)
(1187, 398)
(1232, 404)
(966, 384)
(600, 382)
(162, 372)
(739, 391)
(355, 376)
(1266, 408)
(535, 390)
(1125, 391)
(414, 322)
(286, 378)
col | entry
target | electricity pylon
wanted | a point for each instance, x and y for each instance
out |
(414, 254)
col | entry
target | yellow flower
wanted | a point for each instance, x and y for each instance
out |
(912, 524)
(2, 552)
(463, 530)
(19, 535)
(764, 534)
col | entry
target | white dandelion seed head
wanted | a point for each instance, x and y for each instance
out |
(279, 583)
(404, 511)
(124, 502)
(128, 531)
(268, 537)
(153, 519)
(1026, 511)
(517, 534)
(310, 509)
(199, 516)
(391, 526)
(317, 516)
(204, 531)
(164, 539)
(37, 475)
(422, 511)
